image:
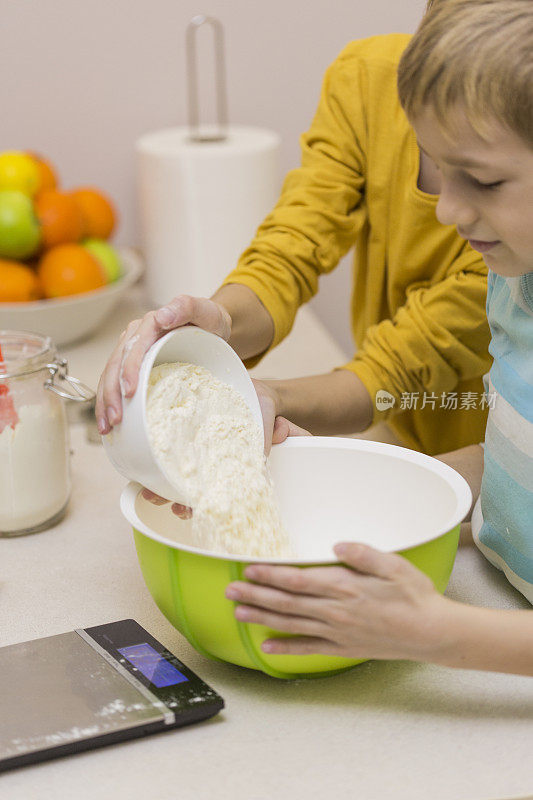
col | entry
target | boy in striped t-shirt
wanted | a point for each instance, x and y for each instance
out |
(502, 521)
(466, 84)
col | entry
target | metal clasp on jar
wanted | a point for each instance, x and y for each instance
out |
(59, 370)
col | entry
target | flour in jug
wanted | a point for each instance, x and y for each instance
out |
(206, 439)
(34, 468)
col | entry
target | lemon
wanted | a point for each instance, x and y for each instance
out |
(19, 172)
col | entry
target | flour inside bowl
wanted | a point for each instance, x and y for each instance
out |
(207, 441)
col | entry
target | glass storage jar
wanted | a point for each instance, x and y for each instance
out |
(34, 441)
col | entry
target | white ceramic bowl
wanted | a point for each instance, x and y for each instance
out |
(331, 489)
(70, 319)
(128, 446)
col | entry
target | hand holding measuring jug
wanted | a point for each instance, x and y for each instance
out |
(122, 369)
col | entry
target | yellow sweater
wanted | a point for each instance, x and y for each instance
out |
(419, 290)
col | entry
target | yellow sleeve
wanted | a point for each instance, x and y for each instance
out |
(318, 215)
(438, 338)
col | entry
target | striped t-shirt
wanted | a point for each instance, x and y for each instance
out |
(502, 522)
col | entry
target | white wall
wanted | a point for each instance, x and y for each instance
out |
(82, 80)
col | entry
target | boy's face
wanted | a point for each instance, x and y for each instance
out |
(486, 189)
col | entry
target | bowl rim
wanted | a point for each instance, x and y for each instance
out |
(132, 269)
(455, 481)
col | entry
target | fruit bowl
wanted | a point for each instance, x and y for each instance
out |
(329, 490)
(70, 319)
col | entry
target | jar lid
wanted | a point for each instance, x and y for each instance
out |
(24, 352)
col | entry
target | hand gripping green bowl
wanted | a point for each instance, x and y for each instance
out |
(329, 490)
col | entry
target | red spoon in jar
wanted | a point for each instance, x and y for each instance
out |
(8, 414)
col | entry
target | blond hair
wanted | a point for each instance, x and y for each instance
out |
(476, 55)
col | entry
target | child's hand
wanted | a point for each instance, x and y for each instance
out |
(375, 605)
(276, 428)
(121, 372)
(181, 511)
(283, 428)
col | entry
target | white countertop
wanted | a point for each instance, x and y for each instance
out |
(383, 731)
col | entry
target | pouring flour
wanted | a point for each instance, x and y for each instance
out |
(204, 436)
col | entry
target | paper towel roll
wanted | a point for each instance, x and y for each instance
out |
(200, 204)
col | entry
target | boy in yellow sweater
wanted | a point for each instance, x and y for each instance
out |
(418, 293)
(466, 83)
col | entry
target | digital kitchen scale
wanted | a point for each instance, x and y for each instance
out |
(93, 687)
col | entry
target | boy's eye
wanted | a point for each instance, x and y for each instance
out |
(493, 185)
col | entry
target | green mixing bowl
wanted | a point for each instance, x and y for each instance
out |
(329, 490)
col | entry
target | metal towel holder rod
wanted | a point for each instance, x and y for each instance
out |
(219, 134)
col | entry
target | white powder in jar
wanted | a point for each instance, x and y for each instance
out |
(34, 468)
(206, 439)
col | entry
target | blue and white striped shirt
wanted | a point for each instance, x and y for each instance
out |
(502, 522)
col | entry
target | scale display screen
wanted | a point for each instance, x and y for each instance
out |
(152, 665)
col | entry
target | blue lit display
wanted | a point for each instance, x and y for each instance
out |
(153, 665)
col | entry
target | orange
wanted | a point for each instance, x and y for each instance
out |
(59, 217)
(47, 174)
(98, 212)
(69, 269)
(18, 282)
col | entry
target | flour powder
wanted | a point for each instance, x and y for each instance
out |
(206, 439)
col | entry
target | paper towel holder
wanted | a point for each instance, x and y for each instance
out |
(219, 134)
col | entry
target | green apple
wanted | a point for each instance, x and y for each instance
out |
(107, 257)
(20, 232)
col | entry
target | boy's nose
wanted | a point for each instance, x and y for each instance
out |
(453, 209)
